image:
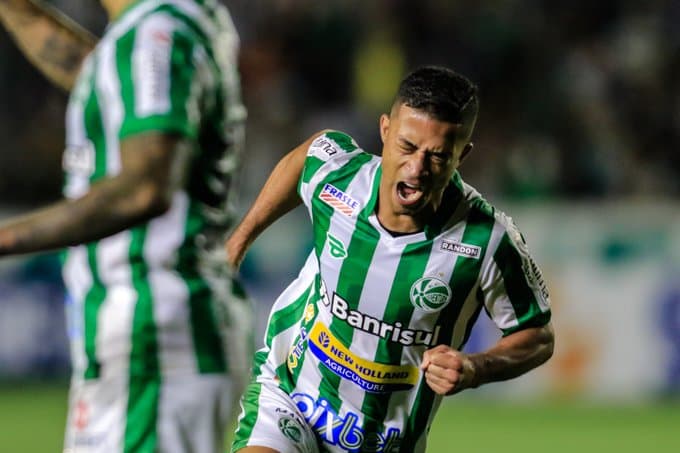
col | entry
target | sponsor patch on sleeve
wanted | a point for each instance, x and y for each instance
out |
(323, 148)
(339, 200)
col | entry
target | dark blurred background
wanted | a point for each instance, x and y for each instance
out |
(577, 138)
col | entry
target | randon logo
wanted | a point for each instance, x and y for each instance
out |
(430, 294)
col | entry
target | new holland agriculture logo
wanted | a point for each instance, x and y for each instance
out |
(430, 294)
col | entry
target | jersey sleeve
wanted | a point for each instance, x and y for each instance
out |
(164, 74)
(514, 292)
(327, 153)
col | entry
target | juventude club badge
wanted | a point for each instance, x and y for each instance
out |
(290, 428)
(430, 294)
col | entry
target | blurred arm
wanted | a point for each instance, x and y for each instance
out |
(153, 167)
(448, 371)
(277, 197)
(51, 41)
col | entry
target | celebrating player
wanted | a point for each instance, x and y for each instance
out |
(154, 131)
(361, 348)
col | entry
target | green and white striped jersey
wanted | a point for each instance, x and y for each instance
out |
(149, 300)
(346, 339)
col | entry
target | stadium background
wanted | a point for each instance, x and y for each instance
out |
(578, 140)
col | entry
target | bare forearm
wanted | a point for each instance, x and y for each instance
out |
(55, 44)
(277, 197)
(513, 355)
(110, 207)
(153, 169)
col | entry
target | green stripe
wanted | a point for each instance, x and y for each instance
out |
(343, 140)
(463, 280)
(144, 353)
(522, 298)
(94, 128)
(280, 321)
(312, 165)
(307, 324)
(97, 293)
(205, 330)
(411, 267)
(283, 320)
(123, 56)
(93, 301)
(288, 316)
(183, 71)
(142, 415)
(251, 406)
(210, 356)
(142, 410)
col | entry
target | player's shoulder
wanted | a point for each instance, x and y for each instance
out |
(160, 19)
(480, 208)
(330, 144)
(483, 210)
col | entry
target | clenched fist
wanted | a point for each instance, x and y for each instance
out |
(448, 371)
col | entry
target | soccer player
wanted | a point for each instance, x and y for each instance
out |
(361, 348)
(154, 131)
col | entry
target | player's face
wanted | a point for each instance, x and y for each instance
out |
(419, 156)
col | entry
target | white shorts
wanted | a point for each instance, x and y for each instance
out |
(270, 418)
(178, 414)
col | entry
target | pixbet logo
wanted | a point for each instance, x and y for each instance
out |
(344, 431)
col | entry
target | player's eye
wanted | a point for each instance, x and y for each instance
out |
(439, 158)
(407, 147)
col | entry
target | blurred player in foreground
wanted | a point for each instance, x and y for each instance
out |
(361, 348)
(154, 129)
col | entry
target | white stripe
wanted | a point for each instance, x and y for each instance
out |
(110, 103)
(116, 314)
(496, 297)
(78, 280)
(77, 144)
(169, 291)
(151, 64)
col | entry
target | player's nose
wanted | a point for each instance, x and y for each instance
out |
(417, 164)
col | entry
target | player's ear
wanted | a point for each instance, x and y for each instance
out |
(466, 151)
(384, 126)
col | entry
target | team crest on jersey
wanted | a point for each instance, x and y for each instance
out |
(289, 426)
(339, 200)
(430, 294)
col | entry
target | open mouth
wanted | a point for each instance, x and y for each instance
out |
(409, 193)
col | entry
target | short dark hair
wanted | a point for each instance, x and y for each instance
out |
(442, 93)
